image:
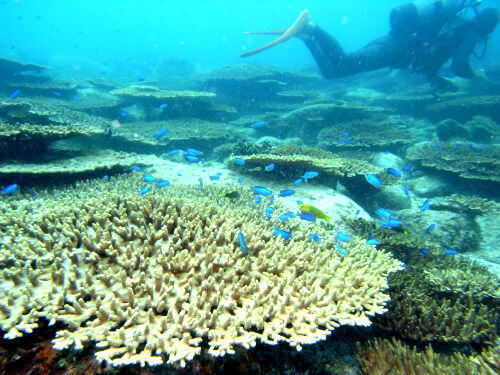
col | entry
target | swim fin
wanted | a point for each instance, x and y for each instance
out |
(289, 33)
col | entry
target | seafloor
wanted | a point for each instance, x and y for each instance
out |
(133, 240)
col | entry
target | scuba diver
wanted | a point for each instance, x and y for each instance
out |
(423, 36)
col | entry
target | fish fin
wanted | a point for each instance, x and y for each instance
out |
(292, 31)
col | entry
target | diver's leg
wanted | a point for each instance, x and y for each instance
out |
(329, 55)
(334, 62)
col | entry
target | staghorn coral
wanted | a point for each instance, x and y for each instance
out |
(423, 312)
(459, 160)
(489, 360)
(472, 282)
(148, 278)
(391, 357)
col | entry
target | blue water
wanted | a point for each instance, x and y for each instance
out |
(120, 38)
(338, 162)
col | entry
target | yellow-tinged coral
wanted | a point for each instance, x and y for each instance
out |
(384, 357)
(148, 278)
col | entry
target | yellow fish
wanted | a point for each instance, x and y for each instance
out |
(316, 212)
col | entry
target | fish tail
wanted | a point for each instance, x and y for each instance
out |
(328, 218)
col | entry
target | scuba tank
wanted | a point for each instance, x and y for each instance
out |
(426, 16)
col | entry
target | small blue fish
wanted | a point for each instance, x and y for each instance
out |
(141, 77)
(342, 251)
(372, 241)
(215, 177)
(191, 158)
(136, 168)
(193, 151)
(450, 252)
(298, 181)
(407, 168)
(160, 133)
(269, 212)
(123, 114)
(9, 189)
(291, 215)
(269, 167)
(394, 172)
(283, 233)
(348, 142)
(200, 180)
(357, 212)
(310, 174)
(257, 124)
(258, 199)
(56, 93)
(407, 191)
(373, 180)
(105, 177)
(173, 152)
(262, 191)
(77, 98)
(15, 94)
(307, 216)
(299, 202)
(391, 223)
(346, 135)
(431, 227)
(384, 213)
(315, 237)
(162, 106)
(163, 183)
(239, 161)
(144, 190)
(286, 192)
(283, 217)
(240, 179)
(179, 174)
(243, 245)
(425, 205)
(149, 178)
(218, 174)
(272, 198)
(424, 251)
(343, 237)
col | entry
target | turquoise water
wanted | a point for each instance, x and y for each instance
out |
(156, 188)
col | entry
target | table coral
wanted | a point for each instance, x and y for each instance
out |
(149, 278)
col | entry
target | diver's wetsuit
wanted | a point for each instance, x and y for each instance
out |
(404, 48)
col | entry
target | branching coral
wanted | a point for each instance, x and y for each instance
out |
(384, 357)
(149, 278)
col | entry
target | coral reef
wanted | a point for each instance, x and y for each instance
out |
(148, 278)
(76, 165)
(460, 160)
(427, 304)
(259, 82)
(469, 205)
(392, 357)
(154, 95)
(333, 166)
(46, 112)
(371, 134)
(309, 119)
(479, 129)
(465, 108)
(9, 67)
